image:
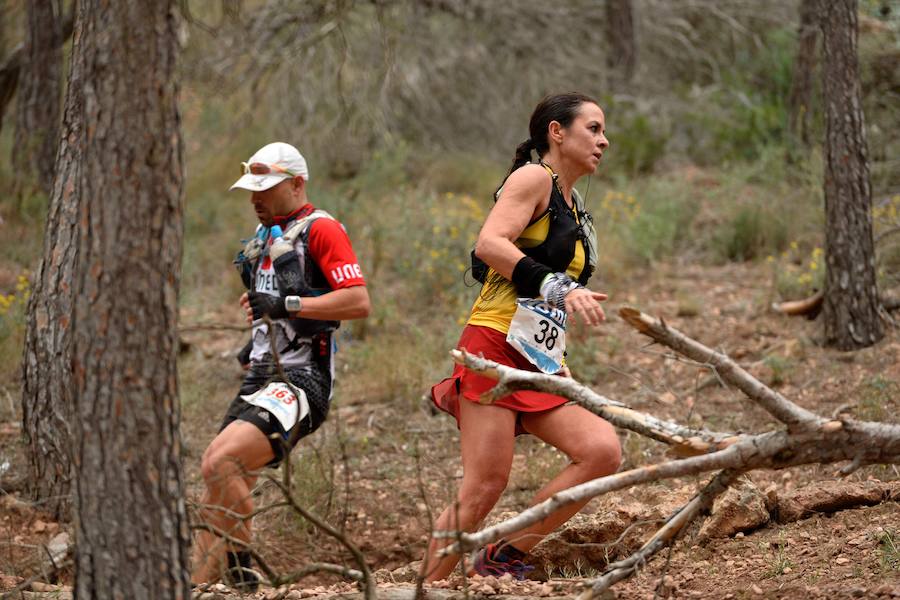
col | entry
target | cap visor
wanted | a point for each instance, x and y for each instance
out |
(258, 183)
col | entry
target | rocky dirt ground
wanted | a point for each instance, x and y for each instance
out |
(383, 465)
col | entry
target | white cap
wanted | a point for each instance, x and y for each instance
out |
(277, 156)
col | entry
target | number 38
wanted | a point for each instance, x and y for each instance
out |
(547, 335)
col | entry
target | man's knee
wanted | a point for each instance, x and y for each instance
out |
(218, 464)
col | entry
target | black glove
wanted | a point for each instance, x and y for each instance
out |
(264, 304)
(243, 356)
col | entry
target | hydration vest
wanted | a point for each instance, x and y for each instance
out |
(558, 248)
(256, 250)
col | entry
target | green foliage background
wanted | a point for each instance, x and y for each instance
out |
(408, 113)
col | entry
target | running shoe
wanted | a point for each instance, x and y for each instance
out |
(240, 575)
(492, 560)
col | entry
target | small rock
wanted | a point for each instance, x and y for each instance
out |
(741, 508)
(841, 560)
(756, 589)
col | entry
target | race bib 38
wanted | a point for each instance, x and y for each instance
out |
(538, 332)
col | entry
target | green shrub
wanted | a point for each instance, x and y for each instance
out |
(750, 233)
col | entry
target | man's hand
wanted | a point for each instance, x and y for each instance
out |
(258, 305)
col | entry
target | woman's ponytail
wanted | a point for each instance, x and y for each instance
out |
(522, 157)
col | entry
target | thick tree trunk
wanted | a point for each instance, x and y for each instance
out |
(127, 173)
(38, 103)
(850, 310)
(800, 98)
(622, 57)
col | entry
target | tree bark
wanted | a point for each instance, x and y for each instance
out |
(38, 104)
(800, 97)
(46, 373)
(851, 305)
(123, 164)
(622, 58)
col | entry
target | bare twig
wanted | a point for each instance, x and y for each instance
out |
(778, 406)
(368, 580)
(667, 534)
(192, 327)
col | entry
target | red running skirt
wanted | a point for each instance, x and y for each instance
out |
(467, 384)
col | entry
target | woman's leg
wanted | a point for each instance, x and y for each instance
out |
(593, 448)
(487, 437)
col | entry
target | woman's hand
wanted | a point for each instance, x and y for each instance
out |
(586, 304)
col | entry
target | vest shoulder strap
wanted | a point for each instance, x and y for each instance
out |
(301, 225)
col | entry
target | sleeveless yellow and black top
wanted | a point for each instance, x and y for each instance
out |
(553, 240)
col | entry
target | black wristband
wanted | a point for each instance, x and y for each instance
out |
(528, 275)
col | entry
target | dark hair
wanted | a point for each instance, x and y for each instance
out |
(558, 107)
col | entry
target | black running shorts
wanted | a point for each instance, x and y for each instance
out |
(315, 381)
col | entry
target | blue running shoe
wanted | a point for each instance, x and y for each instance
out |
(492, 560)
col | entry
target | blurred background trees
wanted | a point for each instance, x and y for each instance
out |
(408, 112)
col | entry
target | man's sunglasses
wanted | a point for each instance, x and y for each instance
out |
(263, 169)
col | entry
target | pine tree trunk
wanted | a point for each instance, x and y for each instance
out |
(127, 174)
(850, 308)
(38, 102)
(622, 58)
(46, 371)
(800, 97)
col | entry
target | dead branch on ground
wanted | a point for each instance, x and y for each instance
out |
(807, 438)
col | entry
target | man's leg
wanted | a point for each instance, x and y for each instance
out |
(229, 466)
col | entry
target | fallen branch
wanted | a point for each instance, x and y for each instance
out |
(685, 441)
(778, 406)
(807, 306)
(808, 439)
(701, 503)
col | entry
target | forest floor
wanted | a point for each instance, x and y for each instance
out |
(383, 466)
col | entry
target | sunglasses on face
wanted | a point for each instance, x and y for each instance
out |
(258, 168)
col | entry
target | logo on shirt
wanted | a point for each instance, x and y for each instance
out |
(344, 272)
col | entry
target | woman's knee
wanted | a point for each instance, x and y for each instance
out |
(601, 456)
(481, 493)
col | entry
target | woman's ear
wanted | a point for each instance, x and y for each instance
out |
(555, 132)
